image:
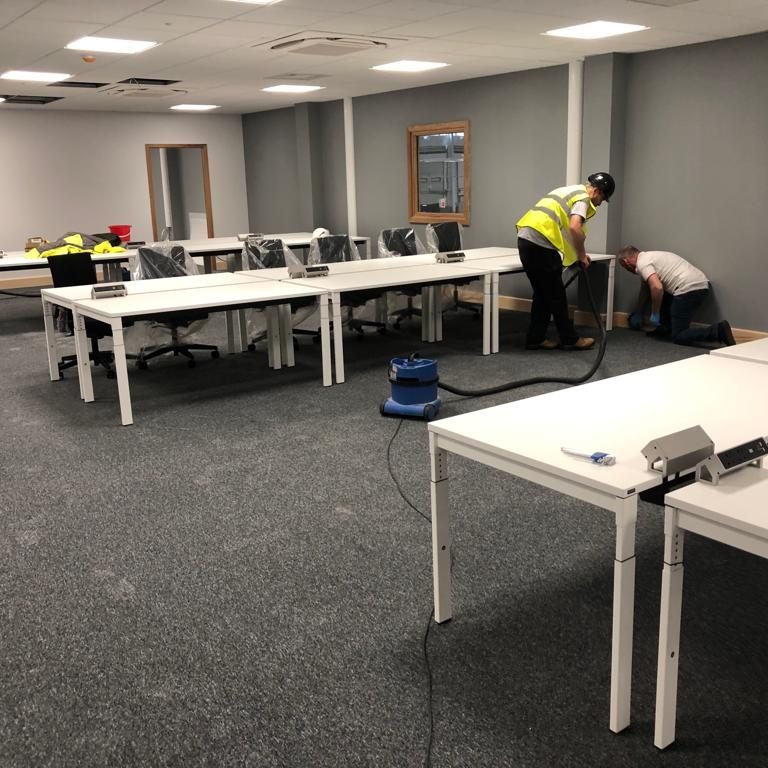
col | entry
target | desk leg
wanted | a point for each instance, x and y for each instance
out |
(437, 304)
(208, 263)
(494, 312)
(286, 334)
(487, 311)
(609, 297)
(669, 631)
(623, 615)
(50, 341)
(273, 337)
(426, 312)
(121, 370)
(441, 530)
(325, 339)
(229, 317)
(338, 336)
(83, 358)
(242, 322)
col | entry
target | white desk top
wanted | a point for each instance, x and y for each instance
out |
(739, 500)
(413, 274)
(620, 415)
(65, 296)
(752, 351)
(243, 292)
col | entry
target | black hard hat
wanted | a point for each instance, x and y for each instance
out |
(604, 182)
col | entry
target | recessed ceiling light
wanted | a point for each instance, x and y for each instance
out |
(595, 30)
(38, 77)
(195, 107)
(291, 88)
(110, 45)
(407, 65)
(2, 99)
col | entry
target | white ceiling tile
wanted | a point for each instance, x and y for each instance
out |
(92, 11)
(411, 9)
(208, 9)
(255, 33)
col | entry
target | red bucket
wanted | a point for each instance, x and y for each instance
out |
(123, 231)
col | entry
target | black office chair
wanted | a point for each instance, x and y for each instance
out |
(270, 254)
(402, 242)
(443, 237)
(78, 269)
(333, 249)
(169, 260)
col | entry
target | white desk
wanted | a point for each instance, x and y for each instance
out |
(751, 351)
(245, 291)
(66, 298)
(734, 512)
(524, 439)
(388, 278)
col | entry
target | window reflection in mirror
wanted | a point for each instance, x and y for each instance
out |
(439, 172)
(179, 191)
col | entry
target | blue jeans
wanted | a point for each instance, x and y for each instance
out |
(677, 313)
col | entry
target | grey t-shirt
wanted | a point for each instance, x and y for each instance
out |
(676, 274)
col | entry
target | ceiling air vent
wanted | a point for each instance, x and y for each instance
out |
(319, 43)
(134, 91)
(16, 99)
(75, 84)
(148, 81)
(298, 76)
(665, 3)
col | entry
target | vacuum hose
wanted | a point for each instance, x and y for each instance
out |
(543, 379)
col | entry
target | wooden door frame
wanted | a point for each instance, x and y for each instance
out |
(206, 182)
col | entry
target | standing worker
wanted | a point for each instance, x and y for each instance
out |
(550, 237)
(674, 288)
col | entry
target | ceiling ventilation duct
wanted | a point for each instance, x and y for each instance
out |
(133, 90)
(315, 43)
(664, 3)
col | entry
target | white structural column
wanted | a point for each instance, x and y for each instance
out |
(575, 107)
(349, 155)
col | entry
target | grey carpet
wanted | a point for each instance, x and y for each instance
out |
(235, 580)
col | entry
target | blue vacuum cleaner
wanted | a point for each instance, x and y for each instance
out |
(414, 388)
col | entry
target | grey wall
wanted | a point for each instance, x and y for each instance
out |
(85, 170)
(271, 171)
(329, 173)
(696, 164)
(517, 136)
(295, 168)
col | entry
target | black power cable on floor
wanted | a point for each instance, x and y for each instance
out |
(483, 393)
(573, 380)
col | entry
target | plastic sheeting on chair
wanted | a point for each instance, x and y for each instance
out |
(402, 241)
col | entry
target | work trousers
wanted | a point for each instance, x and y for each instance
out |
(676, 315)
(544, 269)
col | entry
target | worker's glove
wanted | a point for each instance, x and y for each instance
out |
(636, 321)
(654, 320)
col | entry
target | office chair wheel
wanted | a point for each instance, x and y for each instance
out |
(215, 354)
(381, 331)
(111, 375)
(191, 363)
(142, 365)
(251, 347)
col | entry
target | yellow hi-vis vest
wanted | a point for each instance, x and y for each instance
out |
(551, 217)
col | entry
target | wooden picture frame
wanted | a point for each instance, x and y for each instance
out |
(416, 203)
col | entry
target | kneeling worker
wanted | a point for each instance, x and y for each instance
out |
(675, 289)
(549, 237)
